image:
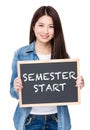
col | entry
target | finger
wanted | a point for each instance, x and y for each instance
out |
(17, 84)
(80, 82)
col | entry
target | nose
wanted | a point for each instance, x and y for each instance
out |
(45, 30)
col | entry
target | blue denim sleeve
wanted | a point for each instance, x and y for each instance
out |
(14, 74)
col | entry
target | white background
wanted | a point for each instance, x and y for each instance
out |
(15, 16)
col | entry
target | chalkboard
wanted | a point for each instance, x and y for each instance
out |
(49, 82)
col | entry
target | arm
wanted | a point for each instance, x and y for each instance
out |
(13, 92)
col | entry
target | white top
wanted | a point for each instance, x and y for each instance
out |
(44, 57)
(44, 110)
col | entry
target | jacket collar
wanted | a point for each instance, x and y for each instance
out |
(31, 47)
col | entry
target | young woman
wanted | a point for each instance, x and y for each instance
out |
(46, 42)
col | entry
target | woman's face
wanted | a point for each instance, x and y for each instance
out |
(44, 29)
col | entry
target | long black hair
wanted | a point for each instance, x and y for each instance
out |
(58, 42)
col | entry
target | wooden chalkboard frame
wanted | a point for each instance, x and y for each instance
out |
(49, 62)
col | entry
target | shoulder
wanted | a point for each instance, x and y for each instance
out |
(26, 49)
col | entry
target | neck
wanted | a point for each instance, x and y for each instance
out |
(43, 48)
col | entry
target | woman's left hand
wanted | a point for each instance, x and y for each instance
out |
(80, 82)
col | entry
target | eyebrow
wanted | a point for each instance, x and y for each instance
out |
(43, 23)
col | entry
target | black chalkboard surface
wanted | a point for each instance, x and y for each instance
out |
(49, 82)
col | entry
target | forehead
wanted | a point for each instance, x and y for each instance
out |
(45, 19)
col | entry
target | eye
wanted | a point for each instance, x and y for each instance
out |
(51, 26)
(40, 25)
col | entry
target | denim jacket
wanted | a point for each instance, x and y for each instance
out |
(20, 115)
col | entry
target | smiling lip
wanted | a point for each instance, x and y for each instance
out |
(44, 36)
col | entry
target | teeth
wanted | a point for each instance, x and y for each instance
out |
(45, 37)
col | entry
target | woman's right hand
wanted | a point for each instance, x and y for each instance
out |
(18, 84)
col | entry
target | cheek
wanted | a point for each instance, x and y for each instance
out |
(37, 31)
(52, 34)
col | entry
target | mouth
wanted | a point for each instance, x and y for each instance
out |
(44, 36)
